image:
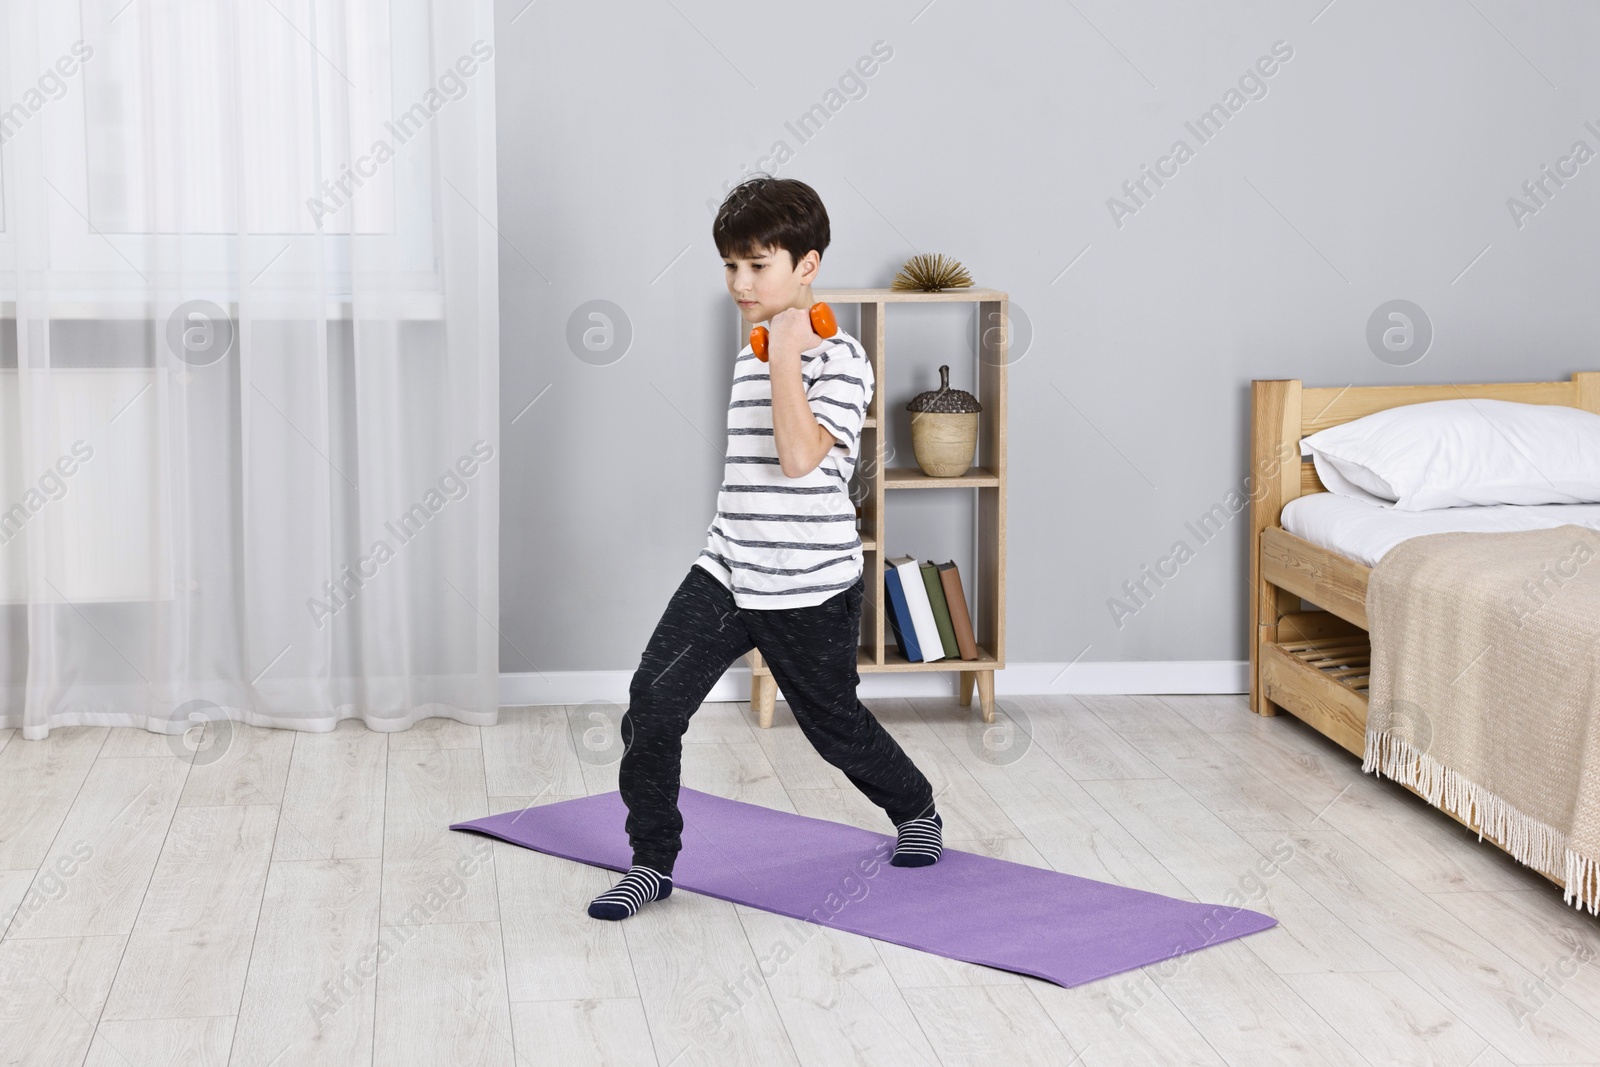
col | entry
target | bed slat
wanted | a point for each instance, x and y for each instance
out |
(1328, 705)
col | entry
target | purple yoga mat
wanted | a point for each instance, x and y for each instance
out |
(1033, 921)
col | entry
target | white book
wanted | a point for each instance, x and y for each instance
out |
(922, 620)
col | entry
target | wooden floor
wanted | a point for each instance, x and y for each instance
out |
(299, 901)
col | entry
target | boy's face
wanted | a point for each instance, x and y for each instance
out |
(768, 281)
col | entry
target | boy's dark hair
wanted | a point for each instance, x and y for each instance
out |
(764, 212)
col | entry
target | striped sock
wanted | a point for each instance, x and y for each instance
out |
(918, 842)
(639, 885)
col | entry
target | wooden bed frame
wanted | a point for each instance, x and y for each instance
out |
(1314, 663)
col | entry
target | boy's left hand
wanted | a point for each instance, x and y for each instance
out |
(791, 335)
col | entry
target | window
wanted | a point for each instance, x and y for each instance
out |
(309, 125)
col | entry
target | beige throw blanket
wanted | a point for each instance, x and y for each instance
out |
(1485, 689)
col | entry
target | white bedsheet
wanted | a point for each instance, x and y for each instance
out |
(1364, 532)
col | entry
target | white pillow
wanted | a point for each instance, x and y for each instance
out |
(1349, 480)
(1459, 453)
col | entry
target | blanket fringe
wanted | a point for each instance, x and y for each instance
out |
(1529, 841)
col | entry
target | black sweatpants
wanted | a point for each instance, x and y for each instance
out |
(812, 654)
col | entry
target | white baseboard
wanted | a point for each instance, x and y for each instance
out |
(1019, 679)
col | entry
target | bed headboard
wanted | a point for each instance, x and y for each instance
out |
(1283, 411)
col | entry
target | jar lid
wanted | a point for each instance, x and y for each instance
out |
(945, 400)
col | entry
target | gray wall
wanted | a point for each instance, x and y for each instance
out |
(1377, 166)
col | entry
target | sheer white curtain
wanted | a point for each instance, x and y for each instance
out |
(249, 430)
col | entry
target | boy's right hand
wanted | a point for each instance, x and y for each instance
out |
(792, 333)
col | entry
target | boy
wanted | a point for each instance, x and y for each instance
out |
(782, 570)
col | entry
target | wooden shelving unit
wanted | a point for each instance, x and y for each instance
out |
(986, 590)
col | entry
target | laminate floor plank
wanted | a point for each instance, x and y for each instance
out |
(333, 796)
(51, 993)
(441, 1000)
(965, 807)
(597, 744)
(300, 899)
(841, 803)
(1220, 713)
(423, 859)
(1219, 867)
(145, 744)
(533, 750)
(988, 1024)
(838, 1000)
(721, 722)
(1235, 792)
(1081, 742)
(1049, 807)
(554, 951)
(1424, 846)
(797, 764)
(309, 997)
(436, 733)
(734, 770)
(700, 982)
(39, 780)
(1261, 1019)
(1300, 761)
(191, 945)
(1126, 1020)
(583, 1033)
(110, 841)
(202, 1041)
(240, 765)
(1558, 944)
(1388, 1018)
(1443, 955)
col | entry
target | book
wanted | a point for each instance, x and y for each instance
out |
(918, 608)
(905, 638)
(941, 610)
(956, 600)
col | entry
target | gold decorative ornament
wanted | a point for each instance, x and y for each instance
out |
(931, 272)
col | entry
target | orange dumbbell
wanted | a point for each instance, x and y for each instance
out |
(822, 321)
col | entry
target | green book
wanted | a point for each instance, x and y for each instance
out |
(941, 608)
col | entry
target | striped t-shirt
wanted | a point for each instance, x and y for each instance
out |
(780, 542)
